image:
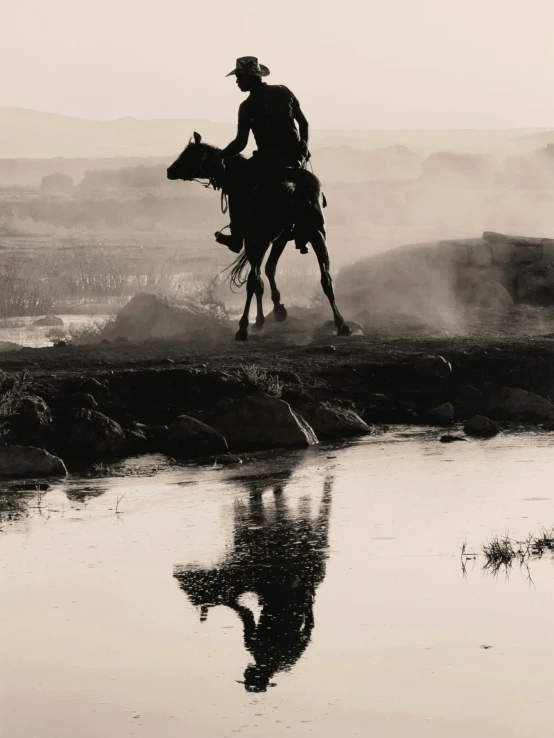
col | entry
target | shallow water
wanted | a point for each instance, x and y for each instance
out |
(331, 578)
(23, 332)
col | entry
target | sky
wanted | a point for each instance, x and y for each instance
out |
(353, 64)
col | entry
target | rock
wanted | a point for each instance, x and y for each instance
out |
(492, 237)
(263, 422)
(228, 460)
(433, 368)
(488, 295)
(330, 422)
(148, 316)
(6, 346)
(480, 427)
(190, 438)
(137, 442)
(442, 414)
(31, 420)
(518, 403)
(502, 253)
(89, 432)
(78, 401)
(28, 461)
(471, 394)
(34, 411)
(152, 432)
(480, 254)
(451, 439)
(379, 408)
(49, 321)
(535, 286)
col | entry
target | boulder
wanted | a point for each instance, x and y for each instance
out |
(489, 295)
(48, 321)
(535, 285)
(480, 427)
(88, 432)
(189, 438)
(380, 408)
(228, 460)
(31, 420)
(148, 316)
(78, 401)
(330, 422)
(30, 462)
(442, 414)
(433, 368)
(263, 422)
(6, 346)
(518, 403)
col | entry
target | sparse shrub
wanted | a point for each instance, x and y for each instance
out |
(258, 379)
(12, 389)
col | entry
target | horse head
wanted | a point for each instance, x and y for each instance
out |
(195, 162)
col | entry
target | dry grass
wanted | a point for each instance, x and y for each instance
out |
(258, 379)
(12, 389)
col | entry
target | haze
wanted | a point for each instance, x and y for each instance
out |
(400, 64)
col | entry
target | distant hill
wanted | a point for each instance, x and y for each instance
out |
(33, 134)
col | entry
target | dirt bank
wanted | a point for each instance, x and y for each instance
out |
(156, 381)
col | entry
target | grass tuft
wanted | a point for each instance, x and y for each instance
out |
(258, 379)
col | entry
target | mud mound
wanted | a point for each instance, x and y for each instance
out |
(148, 316)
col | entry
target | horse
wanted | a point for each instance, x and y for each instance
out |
(285, 205)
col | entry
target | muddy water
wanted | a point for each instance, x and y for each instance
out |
(319, 593)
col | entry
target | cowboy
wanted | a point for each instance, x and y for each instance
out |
(280, 129)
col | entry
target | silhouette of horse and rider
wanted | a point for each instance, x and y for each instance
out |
(272, 197)
(279, 556)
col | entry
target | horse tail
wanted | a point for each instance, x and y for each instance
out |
(238, 274)
(240, 269)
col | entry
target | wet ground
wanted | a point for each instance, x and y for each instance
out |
(315, 593)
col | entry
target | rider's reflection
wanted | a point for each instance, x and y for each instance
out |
(279, 555)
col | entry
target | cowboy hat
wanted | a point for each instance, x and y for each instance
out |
(249, 65)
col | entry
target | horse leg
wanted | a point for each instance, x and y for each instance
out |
(319, 245)
(260, 318)
(254, 285)
(279, 310)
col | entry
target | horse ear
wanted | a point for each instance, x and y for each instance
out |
(197, 138)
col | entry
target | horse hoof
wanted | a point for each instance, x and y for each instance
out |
(257, 327)
(280, 313)
(241, 335)
(344, 330)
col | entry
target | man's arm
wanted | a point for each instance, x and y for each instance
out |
(303, 126)
(241, 139)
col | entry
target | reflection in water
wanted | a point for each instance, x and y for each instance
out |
(279, 555)
(82, 494)
(501, 553)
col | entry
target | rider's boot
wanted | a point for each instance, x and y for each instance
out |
(234, 240)
(233, 243)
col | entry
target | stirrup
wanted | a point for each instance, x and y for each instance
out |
(229, 241)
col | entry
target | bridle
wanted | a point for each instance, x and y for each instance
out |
(211, 181)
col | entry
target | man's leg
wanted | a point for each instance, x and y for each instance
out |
(235, 239)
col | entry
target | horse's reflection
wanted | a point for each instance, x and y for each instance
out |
(278, 555)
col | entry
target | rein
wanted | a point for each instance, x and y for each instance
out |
(211, 182)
